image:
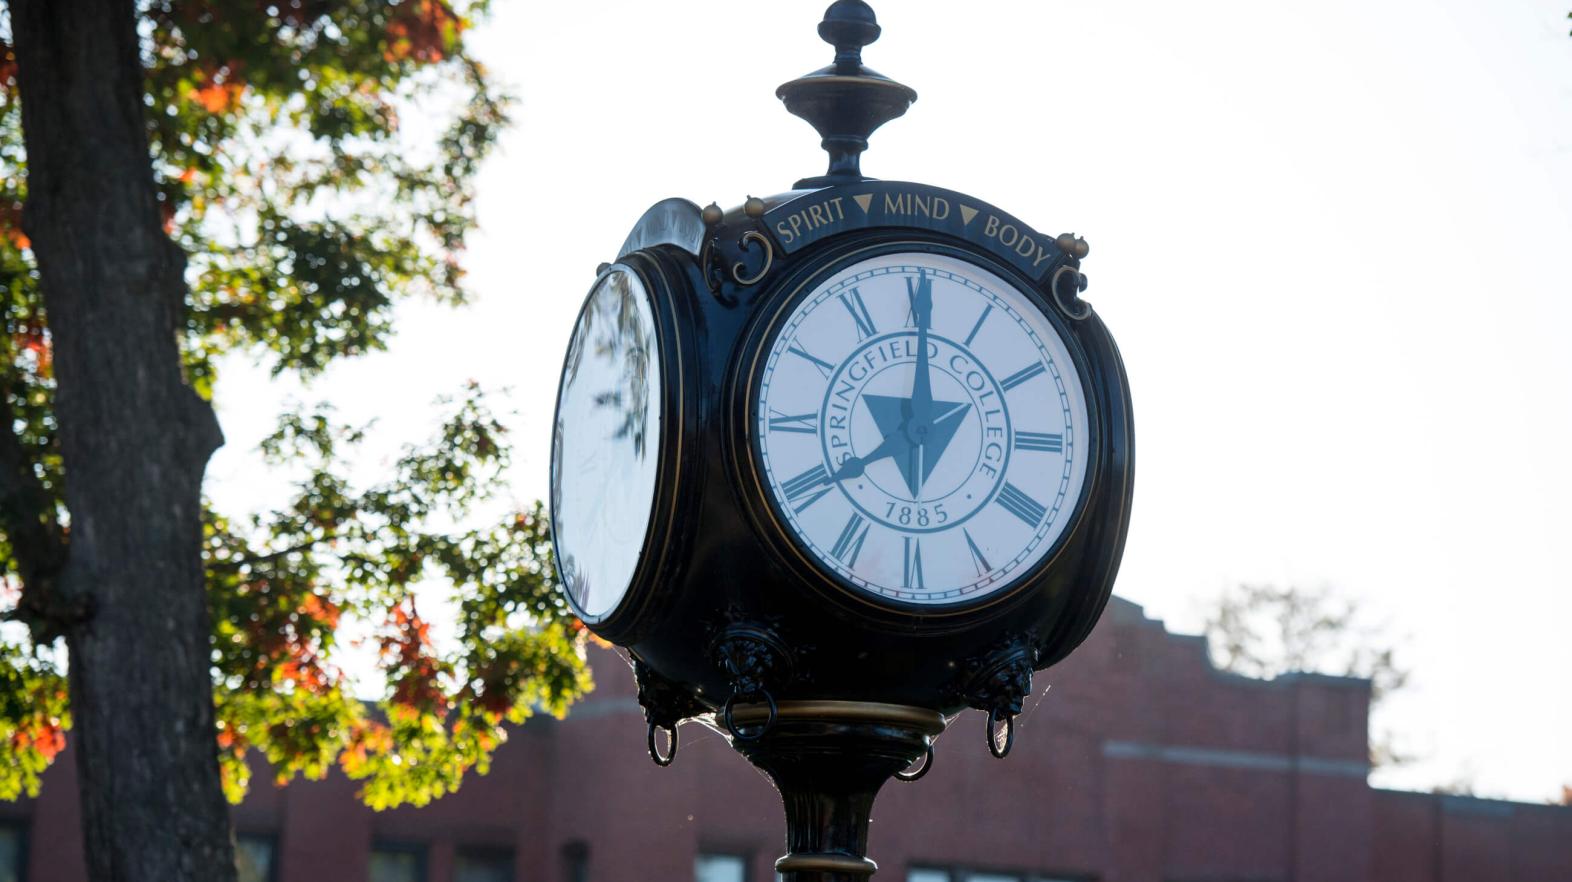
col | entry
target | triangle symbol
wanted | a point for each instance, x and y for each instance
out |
(864, 201)
(967, 213)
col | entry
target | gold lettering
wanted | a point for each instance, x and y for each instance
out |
(786, 235)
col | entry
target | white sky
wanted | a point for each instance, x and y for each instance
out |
(1333, 240)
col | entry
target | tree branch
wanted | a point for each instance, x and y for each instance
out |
(38, 544)
(251, 560)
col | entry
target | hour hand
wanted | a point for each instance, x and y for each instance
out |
(893, 444)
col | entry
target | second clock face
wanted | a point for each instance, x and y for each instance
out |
(922, 428)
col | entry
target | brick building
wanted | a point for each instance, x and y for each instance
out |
(1141, 764)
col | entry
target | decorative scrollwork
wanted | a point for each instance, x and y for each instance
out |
(738, 269)
(714, 270)
(1076, 308)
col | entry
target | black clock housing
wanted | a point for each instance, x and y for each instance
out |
(717, 561)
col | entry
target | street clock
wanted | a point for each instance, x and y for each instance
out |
(839, 463)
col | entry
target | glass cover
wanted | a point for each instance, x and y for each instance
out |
(923, 429)
(604, 454)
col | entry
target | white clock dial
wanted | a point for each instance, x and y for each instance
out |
(605, 452)
(922, 428)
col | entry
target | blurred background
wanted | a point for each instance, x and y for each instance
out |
(1334, 242)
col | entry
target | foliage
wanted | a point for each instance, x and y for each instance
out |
(33, 719)
(1265, 631)
(315, 161)
(283, 582)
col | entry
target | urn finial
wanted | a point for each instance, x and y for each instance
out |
(846, 101)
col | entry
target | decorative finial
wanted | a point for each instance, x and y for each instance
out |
(846, 101)
(849, 25)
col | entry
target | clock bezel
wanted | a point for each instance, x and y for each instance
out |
(775, 528)
(670, 309)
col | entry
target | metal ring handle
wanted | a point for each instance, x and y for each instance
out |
(927, 763)
(731, 725)
(994, 716)
(671, 742)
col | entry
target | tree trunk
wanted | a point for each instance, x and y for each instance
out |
(135, 441)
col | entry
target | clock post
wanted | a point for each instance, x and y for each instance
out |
(837, 464)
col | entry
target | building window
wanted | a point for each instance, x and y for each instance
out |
(951, 874)
(575, 861)
(13, 850)
(720, 868)
(254, 857)
(398, 863)
(483, 865)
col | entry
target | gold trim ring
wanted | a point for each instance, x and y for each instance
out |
(924, 720)
(826, 863)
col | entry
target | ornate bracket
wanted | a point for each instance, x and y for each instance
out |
(999, 684)
(754, 659)
(1068, 281)
(666, 703)
(714, 266)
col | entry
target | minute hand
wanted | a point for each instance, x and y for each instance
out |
(922, 388)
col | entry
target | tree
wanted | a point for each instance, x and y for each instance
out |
(184, 180)
(1265, 631)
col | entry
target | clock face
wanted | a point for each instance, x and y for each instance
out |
(604, 452)
(922, 429)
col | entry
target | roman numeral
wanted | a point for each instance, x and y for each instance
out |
(912, 577)
(1012, 500)
(983, 567)
(802, 487)
(850, 541)
(805, 423)
(978, 327)
(824, 367)
(1039, 441)
(852, 300)
(1022, 375)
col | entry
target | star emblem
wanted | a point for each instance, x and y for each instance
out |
(891, 413)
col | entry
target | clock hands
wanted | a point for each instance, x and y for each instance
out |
(922, 388)
(909, 426)
(894, 443)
